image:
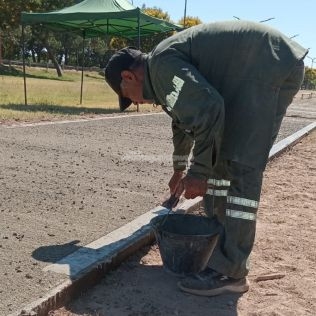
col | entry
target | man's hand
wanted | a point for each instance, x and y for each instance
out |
(192, 187)
(175, 180)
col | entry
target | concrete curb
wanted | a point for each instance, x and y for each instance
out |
(290, 141)
(91, 263)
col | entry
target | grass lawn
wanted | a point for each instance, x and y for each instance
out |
(53, 98)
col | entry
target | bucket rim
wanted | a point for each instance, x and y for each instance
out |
(192, 236)
(159, 230)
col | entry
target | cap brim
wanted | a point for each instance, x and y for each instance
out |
(124, 103)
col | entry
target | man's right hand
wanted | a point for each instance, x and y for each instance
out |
(175, 180)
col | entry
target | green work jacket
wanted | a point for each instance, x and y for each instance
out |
(219, 83)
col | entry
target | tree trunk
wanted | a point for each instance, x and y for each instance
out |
(0, 49)
(33, 56)
(51, 56)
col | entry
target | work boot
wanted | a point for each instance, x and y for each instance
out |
(211, 283)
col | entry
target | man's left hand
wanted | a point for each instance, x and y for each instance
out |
(192, 187)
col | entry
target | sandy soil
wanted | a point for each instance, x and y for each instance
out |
(284, 252)
(66, 184)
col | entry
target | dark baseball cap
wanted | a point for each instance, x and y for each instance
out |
(121, 60)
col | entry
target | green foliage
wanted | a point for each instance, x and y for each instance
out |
(118, 42)
(53, 5)
(146, 43)
(149, 42)
(10, 31)
(10, 11)
(38, 39)
(310, 78)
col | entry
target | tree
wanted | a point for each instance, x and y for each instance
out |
(56, 44)
(190, 21)
(310, 78)
(46, 37)
(149, 42)
(156, 13)
(10, 11)
(10, 19)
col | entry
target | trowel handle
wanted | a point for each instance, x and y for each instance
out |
(171, 202)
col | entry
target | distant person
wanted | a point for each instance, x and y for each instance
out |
(226, 86)
(62, 61)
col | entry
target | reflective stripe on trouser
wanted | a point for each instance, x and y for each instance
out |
(235, 203)
(233, 197)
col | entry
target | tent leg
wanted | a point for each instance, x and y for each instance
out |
(138, 44)
(23, 58)
(138, 20)
(83, 38)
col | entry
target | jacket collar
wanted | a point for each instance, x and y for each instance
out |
(148, 91)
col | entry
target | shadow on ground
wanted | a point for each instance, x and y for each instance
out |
(139, 288)
(12, 71)
(57, 109)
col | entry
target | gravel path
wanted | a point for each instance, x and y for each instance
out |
(65, 185)
(282, 264)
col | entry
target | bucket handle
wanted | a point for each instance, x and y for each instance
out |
(169, 204)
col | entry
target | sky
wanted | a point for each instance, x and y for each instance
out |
(293, 18)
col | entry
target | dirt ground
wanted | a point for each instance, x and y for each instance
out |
(66, 184)
(283, 260)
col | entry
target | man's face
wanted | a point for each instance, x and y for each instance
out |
(132, 87)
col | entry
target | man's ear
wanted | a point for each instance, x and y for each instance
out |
(128, 75)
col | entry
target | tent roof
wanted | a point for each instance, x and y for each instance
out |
(99, 17)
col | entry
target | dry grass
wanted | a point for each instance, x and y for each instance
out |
(51, 98)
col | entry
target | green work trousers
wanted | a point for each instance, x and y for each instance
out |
(234, 192)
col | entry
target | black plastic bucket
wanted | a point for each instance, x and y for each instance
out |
(185, 242)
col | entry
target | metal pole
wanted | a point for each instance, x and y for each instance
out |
(137, 106)
(138, 21)
(185, 13)
(312, 59)
(23, 58)
(0, 49)
(83, 36)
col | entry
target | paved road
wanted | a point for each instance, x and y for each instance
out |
(65, 185)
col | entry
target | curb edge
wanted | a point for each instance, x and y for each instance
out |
(68, 290)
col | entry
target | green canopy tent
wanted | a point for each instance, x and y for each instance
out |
(93, 18)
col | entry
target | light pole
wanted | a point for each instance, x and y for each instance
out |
(185, 12)
(312, 59)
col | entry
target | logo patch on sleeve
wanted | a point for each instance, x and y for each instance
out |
(173, 96)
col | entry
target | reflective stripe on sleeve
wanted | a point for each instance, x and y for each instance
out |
(219, 183)
(241, 215)
(217, 192)
(242, 201)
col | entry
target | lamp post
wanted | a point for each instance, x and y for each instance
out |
(185, 12)
(312, 59)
